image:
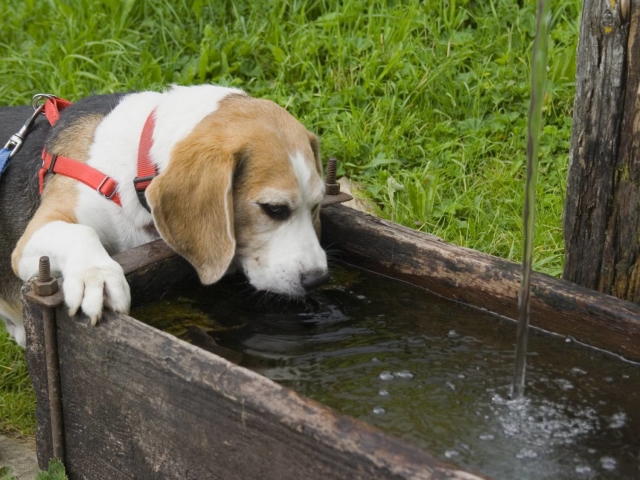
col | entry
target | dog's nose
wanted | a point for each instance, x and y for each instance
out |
(314, 278)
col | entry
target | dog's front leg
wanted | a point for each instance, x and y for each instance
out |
(92, 279)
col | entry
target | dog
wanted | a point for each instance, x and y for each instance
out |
(238, 186)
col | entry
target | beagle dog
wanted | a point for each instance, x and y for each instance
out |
(239, 185)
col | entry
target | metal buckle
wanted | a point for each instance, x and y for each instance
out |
(52, 164)
(138, 180)
(14, 144)
(17, 139)
(35, 100)
(108, 197)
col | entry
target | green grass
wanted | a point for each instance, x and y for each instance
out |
(17, 399)
(54, 472)
(423, 102)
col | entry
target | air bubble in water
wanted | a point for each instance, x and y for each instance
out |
(583, 469)
(526, 453)
(608, 463)
(618, 420)
(379, 410)
(386, 376)
(564, 384)
(451, 453)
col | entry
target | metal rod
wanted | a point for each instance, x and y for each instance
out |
(51, 357)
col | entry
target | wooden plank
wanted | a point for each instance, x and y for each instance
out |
(143, 256)
(139, 403)
(601, 218)
(36, 362)
(483, 280)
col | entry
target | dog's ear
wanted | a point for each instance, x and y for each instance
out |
(315, 147)
(192, 205)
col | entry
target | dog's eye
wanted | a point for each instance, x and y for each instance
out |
(277, 212)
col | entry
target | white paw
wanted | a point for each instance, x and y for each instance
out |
(96, 287)
(16, 331)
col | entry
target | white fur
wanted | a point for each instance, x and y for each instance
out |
(293, 248)
(75, 252)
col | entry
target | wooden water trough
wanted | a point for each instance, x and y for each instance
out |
(140, 403)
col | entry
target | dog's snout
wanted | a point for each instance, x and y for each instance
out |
(314, 278)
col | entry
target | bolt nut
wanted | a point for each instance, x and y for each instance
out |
(45, 289)
(332, 188)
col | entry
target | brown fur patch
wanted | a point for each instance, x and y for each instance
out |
(60, 195)
(11, 306)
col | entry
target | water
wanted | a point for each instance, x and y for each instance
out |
(538, 78)
(433, 372)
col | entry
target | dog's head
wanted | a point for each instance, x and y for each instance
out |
(245, 186)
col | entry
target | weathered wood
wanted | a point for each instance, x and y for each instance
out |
(143, 256)
(602, 218)
(139, 403)
(36, 361)
(483, 280)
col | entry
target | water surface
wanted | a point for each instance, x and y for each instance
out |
(431, 371)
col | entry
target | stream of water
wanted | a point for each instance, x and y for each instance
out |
(538, 79)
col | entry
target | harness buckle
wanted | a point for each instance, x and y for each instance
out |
(99, 189)
(14, 144)
(52, 164)
(17, 139)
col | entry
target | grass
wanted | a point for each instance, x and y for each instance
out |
(54, 472)
(17, 399)
(423, 102)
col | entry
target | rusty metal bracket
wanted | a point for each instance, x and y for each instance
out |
(332, 187)
(48, 294)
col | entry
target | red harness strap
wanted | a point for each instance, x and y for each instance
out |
(146, 169)
(101, 183)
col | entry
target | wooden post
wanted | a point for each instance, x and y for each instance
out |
(602, 209)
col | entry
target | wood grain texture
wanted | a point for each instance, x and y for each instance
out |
(139, 403)
(620, 272)
(601, 218)
(482, 280)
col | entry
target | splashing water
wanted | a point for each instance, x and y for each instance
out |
(538, 78)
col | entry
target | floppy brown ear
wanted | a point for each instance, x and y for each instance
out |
(192, 205)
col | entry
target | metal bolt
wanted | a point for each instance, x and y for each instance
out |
(332, 187)
(44, 273)
(45, 285)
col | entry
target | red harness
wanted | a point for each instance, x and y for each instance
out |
(101, 183)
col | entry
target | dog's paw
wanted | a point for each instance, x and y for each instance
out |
(96, 287)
